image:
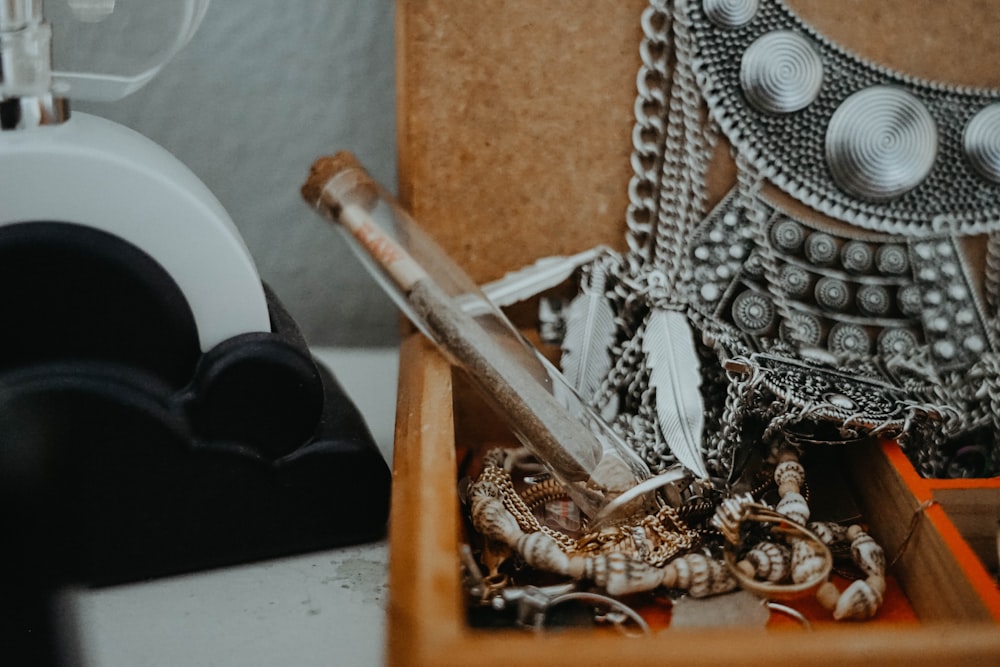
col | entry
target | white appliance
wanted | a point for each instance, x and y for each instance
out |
(84, 170)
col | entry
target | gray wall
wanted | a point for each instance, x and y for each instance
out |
(263, 88)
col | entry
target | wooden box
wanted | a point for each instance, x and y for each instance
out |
(515, 122)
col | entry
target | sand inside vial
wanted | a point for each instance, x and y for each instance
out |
(531, 410)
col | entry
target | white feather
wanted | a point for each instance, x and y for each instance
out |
(536, 278)
(590, 331)
(676, 378)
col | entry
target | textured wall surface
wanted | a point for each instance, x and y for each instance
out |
(261, 90)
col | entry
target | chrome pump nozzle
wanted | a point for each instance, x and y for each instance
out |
(27, 98)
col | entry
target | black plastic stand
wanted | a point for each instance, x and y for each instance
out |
(126, 453)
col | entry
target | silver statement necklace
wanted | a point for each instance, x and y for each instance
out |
(794, 329)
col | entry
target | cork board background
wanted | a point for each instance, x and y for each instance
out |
(515, 116)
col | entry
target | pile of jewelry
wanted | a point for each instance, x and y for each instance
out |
(868, 324)
(862, 320)
(702, 547)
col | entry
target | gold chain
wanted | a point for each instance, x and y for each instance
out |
(654, 538)
(519, 509)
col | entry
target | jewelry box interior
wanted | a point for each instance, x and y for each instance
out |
(528, 158)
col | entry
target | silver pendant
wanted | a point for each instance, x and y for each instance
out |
(739, 609)
(981, 142)
(730, 13)
(781, 72)
(893, 154)
(881, 143)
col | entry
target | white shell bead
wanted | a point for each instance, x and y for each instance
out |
(868, 555)
(700, 583)
(791, 473)
(858, 602)
(794, 506)
(621, 575)
(806, 564)
(683, 570)
(493, 521)
(707, 576)
(541, 551)
(699, 575)
(828, 532)
(770, 561)
(577, 567)
(720, 579)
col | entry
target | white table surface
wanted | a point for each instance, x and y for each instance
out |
(322, 608)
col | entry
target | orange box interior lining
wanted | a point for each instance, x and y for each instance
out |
(925, 491)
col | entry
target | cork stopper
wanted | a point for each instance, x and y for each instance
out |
(338, 179)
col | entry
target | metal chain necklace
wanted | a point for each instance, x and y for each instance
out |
(890, 297)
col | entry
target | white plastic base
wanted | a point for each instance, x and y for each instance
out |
(93, 172)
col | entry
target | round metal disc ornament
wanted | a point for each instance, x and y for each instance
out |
(848, 338)
(981, 142)
(802, 328)
(910, 300)
(832, 293)
(781, 72)
(730, 13)
(896, 341)
(794, 280)
(857, 256)
(754, 266)
(881, 143)
(892, 259)
(753, 312)
(788, 235)
(873, 299)
(821, 248)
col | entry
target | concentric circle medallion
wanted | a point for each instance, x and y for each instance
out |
(873, 299)
(892, 259)
(781, 72)
(802, 329)
(848, 338)
(881, 143)
(730, 13)
(794, 280)
(896, 341)
(981, 142)
(788, 235)
(856, 256)
(832, 293)
(753, 312)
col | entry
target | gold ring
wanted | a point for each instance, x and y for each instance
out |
(731, 518)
